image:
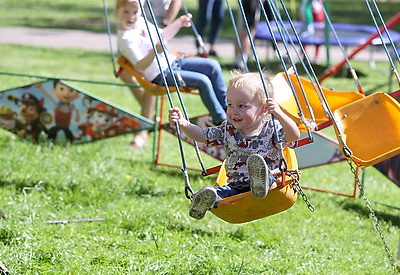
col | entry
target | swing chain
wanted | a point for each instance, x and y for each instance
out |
(373, 216)
(297, 188)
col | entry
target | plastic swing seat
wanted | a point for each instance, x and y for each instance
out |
(149, 87)
(370, 128)
(244, 207)
(286, 100)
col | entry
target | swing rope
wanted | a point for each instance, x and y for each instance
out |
(352, 71)
(353, 170)
(307, 67)
(246, 68)
(109, 38)
(283, 163)
(393, 67)
(188, 190)
(175, 76)
(275, 13)
(346, 151)
(198, 37)
(276, 16)
(278, 139)
(183, 169)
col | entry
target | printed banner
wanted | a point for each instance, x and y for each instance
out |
(55, 111)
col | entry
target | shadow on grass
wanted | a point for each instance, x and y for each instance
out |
(363, 210)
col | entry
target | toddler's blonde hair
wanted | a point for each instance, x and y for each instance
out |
(252, 83)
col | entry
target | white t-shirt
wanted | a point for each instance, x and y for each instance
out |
(159, 8)
(135, 44)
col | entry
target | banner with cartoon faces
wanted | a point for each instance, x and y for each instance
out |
(55, 111)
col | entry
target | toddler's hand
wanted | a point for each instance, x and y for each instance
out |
(175, 116)
(272, 106)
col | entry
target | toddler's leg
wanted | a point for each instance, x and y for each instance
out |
(203, 200)
(259, 176)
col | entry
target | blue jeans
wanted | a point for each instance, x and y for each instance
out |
(205, 74)
(213, 10)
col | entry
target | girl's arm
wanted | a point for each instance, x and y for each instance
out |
(169, 32)
(148, 59)
(292, 132)
(172, 29)
(193, 131)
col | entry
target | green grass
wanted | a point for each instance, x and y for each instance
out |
(145, 227)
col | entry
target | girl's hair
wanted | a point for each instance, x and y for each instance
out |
(122, 3)
(252, 83)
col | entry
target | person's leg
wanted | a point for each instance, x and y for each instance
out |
(212, 69)
(306, 18)
(250, 10)
(218, 14)
(205, 74)
(268, 10)
(203, 16)
(147, 103)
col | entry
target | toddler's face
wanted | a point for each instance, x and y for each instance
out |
(245, 111)
(128, 15)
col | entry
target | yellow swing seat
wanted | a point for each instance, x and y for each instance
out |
(149, 87)
(286, 100)
(244, 207)
(370, 128)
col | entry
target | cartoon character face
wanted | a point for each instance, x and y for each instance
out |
(101, 120)
(29, 111)
(64, 93)
(8, 122)
(7, 118)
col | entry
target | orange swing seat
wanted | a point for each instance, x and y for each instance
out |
(148, 86)
(244, 207)
(286, 100)
(370, 128)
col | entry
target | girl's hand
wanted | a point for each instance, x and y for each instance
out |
(159, 47)
(185, 20)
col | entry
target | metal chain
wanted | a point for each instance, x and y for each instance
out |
(373, 216)
(295, 175)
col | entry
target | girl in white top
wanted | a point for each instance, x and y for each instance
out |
(135, 44)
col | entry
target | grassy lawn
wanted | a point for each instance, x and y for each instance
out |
(144, 226)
